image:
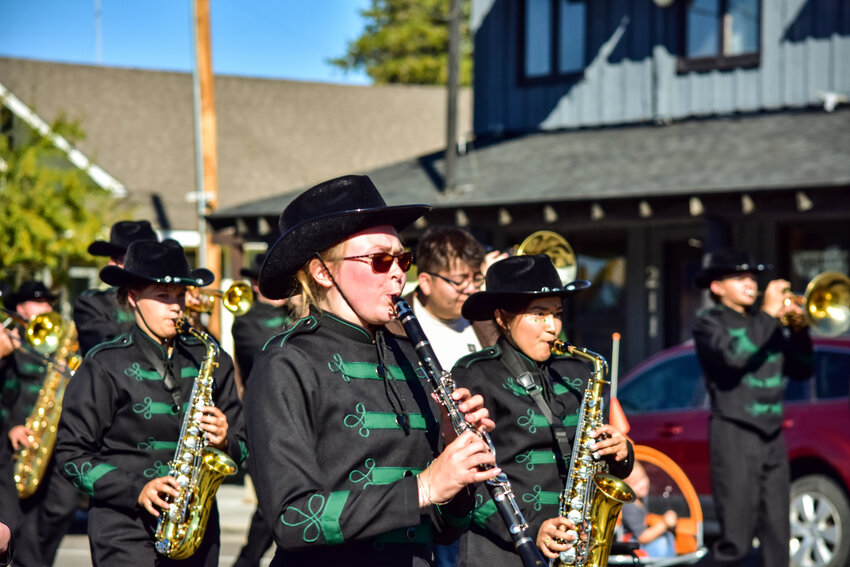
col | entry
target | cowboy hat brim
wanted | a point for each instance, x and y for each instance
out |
(104, 248)
(481, 305)
(705, 276)
(300, 243)
(119, 277)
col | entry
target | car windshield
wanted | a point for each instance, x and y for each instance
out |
(674, 383)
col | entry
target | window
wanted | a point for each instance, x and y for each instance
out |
(721, 34)
(832, 372)
(554, 38)
(672, 384)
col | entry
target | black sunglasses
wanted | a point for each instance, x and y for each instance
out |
(383, 261)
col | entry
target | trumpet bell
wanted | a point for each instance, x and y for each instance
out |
(238, 298)
(827, 303)
(556, 247)
(44, 332)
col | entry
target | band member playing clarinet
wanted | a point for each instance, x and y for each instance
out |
(125, 406)
(352, 470)
(534, 397)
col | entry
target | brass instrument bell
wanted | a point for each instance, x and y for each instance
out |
(556, 247)
(43, 331)
(238, 298)
(826, 303)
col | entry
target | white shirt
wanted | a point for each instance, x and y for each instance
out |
(450, 340)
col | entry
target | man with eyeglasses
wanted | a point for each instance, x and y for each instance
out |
(450, 262)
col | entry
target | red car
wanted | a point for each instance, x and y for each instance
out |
(667, 405)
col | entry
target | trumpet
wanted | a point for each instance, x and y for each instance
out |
(43, 332)
(825, 304)
(238, 298)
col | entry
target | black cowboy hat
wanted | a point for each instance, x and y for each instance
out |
(725, 262)
(253, 272)
(149, 262)
(517, 279)
(121, 235)
(319, 218)
(29, 291)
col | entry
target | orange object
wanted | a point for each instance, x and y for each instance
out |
(617, 417)
(688, 529)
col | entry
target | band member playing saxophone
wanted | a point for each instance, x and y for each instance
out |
(534, 396)
(351, 468)
(48, 512)
(125, 406)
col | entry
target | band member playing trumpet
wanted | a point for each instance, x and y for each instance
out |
(125, 406)
(47, 514)
(747, 357)
(534, 396)
(351, 468)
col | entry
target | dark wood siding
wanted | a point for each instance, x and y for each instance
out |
(631, 73)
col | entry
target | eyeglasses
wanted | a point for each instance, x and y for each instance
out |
(383, 261)
(477, 281)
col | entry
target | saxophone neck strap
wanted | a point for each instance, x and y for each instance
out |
(164, 366)
(512, 360)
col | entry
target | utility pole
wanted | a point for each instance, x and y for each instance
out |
(452, 91)
(206, 158)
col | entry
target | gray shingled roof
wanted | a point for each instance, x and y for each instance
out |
(775, 151)
(273, 135)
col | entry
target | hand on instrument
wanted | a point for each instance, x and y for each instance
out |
(21, 437)
(610, 441)
(214, 422)
(152, 496)
(775, 294)
(473, 409)
(455, 468)
(553, 531)
(7, 343)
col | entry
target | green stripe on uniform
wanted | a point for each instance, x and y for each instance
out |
(330, 517)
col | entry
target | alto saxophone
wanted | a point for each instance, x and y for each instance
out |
(31, 462)
(592, 498)
(198, 468)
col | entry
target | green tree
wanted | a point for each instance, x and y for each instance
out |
(51, 211)
(407, 41)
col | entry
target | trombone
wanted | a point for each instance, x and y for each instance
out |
(42, 331)
(238, 298)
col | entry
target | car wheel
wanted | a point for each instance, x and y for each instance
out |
(820, 523)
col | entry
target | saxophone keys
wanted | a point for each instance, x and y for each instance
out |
(574, 516)
(183, 481)
(568, 556)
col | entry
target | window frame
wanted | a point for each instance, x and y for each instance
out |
(554, 75)
(720, 62)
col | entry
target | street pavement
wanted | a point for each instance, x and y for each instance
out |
(235, 505)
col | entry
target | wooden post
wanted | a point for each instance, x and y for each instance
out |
(208, 142)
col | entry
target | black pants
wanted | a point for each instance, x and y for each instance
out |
(47, 516)
(127, 539)
(751, 485)
(260, 538)
(10, 511)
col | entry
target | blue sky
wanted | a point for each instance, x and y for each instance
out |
(283, 39)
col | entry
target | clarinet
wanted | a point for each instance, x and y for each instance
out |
(443, 385)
